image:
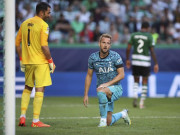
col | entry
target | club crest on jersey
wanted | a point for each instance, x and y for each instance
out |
(105, 69)
(119, 60)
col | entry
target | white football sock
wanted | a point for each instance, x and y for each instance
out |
(35, 120)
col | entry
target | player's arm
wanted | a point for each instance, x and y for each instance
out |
(87, 85)
(116, 79)
(18, 42)
(45, 48)
(128, 49)
(18, 49)
(19, 52)
(47, 54)
(156, 66)
(119, 77)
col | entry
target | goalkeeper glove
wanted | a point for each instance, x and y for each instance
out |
(51, 65)
(22, 65)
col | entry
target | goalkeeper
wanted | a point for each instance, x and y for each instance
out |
(35, 60)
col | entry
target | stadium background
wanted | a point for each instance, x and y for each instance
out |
(75, 26)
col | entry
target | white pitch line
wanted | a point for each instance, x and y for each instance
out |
(63, 105)
(156, 117)
(132, 117)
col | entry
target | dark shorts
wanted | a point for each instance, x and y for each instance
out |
(140, 71)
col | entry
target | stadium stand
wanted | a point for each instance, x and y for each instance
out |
(83, 20)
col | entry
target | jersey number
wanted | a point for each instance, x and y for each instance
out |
(141, 44)
(28, 37)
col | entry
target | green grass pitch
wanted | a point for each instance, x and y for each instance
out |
(68, 116)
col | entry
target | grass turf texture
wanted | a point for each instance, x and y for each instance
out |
(68, 116)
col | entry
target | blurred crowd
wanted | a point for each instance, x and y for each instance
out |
(82, 21)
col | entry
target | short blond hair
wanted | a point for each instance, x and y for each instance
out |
(106, 36)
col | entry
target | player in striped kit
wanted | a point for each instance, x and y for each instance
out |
(143, 44)
(109, 69)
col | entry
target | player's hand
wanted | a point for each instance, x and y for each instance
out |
(85, 101)
(156, 68)
(22, 65)
(51, 65)
(104, 85)
(128, 64)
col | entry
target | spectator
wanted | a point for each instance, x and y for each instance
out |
(97, 15)
(91, 23)
(158, 6)
(101, 10)
(114, 33)
(114, 9)
(72, 37)
(131, 24)
(63, 4)
(63, 26)
(55, 36)
(102, 4)
(77, 26)
(119, 25)
(139, 3)
(155, 35)
(150, 14)
(90, 5)
(76, 5)
(168, 15)
(104, 25)
(177, 14)
(29, 12)
(171, 30)
(84, 15)
(56, 10)
(137, 16)
(176, 35)
(86, 36)
(161, 27)
(70, 14)
(96, 33)
(125, 36)
(122, 12)
(51, 22)
(19, 19)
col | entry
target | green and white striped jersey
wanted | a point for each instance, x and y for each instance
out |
(141, 42)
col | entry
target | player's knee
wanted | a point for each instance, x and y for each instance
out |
(145, 81)
(102, 97)
(99, 89)
(105, 90)
(28, 88)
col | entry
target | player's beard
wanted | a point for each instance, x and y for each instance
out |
(45, 18)
(104, 50)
